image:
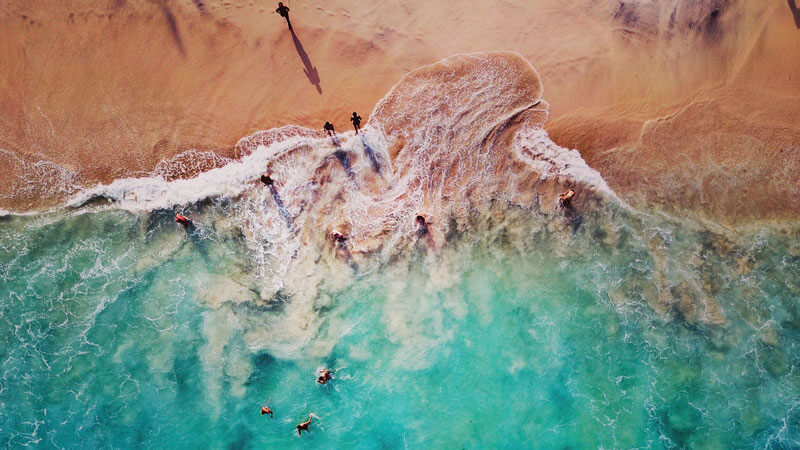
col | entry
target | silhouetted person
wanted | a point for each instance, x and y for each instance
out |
(329, 128)
(266, 179)
(795, 13)
(356, 119)
(304, 425)
(265, 410)
(284, 12)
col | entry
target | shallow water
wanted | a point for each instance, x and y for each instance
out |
(501, 340)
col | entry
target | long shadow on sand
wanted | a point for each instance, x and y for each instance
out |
(795, 13)
(309, 69)
(173, 27)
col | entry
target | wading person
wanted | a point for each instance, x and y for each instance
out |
(566, 198)
(329, 128)
(422, 230)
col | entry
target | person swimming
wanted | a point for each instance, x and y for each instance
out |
(356, 119)
(265, 410)
(566, 198)
(324, 376)
(183, 220)
(303, 426)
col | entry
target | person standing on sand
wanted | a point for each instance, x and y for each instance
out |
(356, 119)
(303, 426)
(284, 12)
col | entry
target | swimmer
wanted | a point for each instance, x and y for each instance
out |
(266, 179)
(265, 410)
(565, 198)
(183, 220)
(304, 425)
(325, 375)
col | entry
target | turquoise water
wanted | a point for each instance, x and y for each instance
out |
(507, 338)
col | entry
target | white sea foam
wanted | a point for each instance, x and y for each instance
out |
(550, 160)
(155, 192)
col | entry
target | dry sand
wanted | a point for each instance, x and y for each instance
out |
(692, 105)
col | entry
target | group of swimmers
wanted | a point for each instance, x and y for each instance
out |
(324, 375)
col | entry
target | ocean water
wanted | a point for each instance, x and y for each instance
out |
(510, 324)
(497, 341)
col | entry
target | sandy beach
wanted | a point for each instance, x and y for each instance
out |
(562, 224)
(691, 106)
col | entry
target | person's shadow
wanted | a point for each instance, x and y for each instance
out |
(376, 165)
(795, 13)
(309, 69)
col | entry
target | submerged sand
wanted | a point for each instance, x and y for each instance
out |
(689, 105)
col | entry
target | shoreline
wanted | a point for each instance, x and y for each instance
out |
(160, 101)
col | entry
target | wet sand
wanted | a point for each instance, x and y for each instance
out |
(690, 107)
